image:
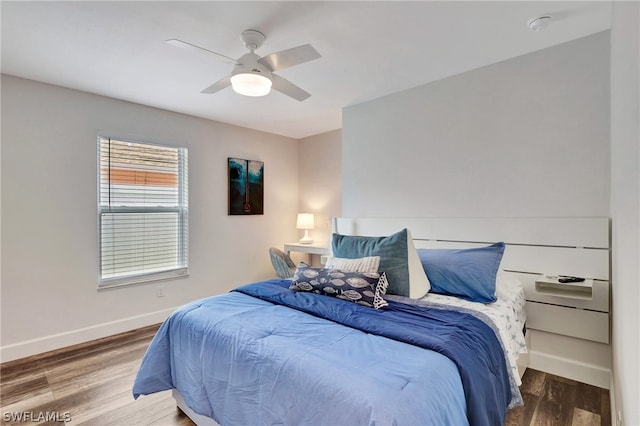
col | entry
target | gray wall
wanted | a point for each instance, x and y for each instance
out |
(525, 137)
(320, 180)
(625, 207)
(49, 214)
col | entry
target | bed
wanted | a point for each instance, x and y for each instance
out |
(274, 353)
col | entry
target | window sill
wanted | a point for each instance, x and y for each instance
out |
(114, 283)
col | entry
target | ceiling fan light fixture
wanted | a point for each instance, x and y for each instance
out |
(250, 84)
(253, 75)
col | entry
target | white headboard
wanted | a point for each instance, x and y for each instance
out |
(569, 246)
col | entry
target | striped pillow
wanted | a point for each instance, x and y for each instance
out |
(362, 264)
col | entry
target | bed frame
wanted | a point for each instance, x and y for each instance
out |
(198, 419)
(568, 332)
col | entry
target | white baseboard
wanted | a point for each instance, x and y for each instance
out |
(81, 335)
(571, 369)
(612, 402)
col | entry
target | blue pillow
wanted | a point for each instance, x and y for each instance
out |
(398, 259)
(363, 288)
(466, 273)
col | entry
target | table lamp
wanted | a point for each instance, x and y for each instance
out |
(305, 221)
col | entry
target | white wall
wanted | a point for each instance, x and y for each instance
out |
(625, 207)
(320, 179)
(49, 214)
(525, 137)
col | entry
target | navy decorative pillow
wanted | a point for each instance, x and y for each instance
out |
(364, 288)
(466, 273)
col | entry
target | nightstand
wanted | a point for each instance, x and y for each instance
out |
(574, 290)
(571, 309)
(313, 248)
(320, 249)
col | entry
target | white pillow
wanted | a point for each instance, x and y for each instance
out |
(507, 285)
(362, 264)
(419, 284)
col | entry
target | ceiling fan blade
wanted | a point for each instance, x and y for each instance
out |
(289, 57)
(218, 85)
(286, 87)
(201, 50)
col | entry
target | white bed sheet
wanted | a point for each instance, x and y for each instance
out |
(507, 314)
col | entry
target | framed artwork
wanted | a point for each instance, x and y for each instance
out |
(246, 187)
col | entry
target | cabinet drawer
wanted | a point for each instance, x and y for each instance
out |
(579, 323)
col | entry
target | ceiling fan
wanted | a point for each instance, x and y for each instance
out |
(253, 75)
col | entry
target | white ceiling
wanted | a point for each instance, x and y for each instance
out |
(369, 49)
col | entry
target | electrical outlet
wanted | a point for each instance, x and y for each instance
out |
(160, 291)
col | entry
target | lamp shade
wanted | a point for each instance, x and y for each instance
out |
(305, 221)
(250, 84)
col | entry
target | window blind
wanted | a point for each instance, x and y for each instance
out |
(143, 209)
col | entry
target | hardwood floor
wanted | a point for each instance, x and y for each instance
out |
(554, 400)
(90, 384)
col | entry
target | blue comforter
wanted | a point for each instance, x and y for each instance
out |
(246, 358)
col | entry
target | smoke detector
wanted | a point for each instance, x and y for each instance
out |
(540, 23)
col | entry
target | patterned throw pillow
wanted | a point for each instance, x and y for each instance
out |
(364, 288)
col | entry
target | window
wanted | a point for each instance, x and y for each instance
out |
(143, 211)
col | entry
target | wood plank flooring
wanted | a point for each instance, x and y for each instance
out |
(90, 384)
(554, 400)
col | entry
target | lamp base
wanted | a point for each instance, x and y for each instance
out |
(306, 239)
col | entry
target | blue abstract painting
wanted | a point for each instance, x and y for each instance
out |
(246, 187)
